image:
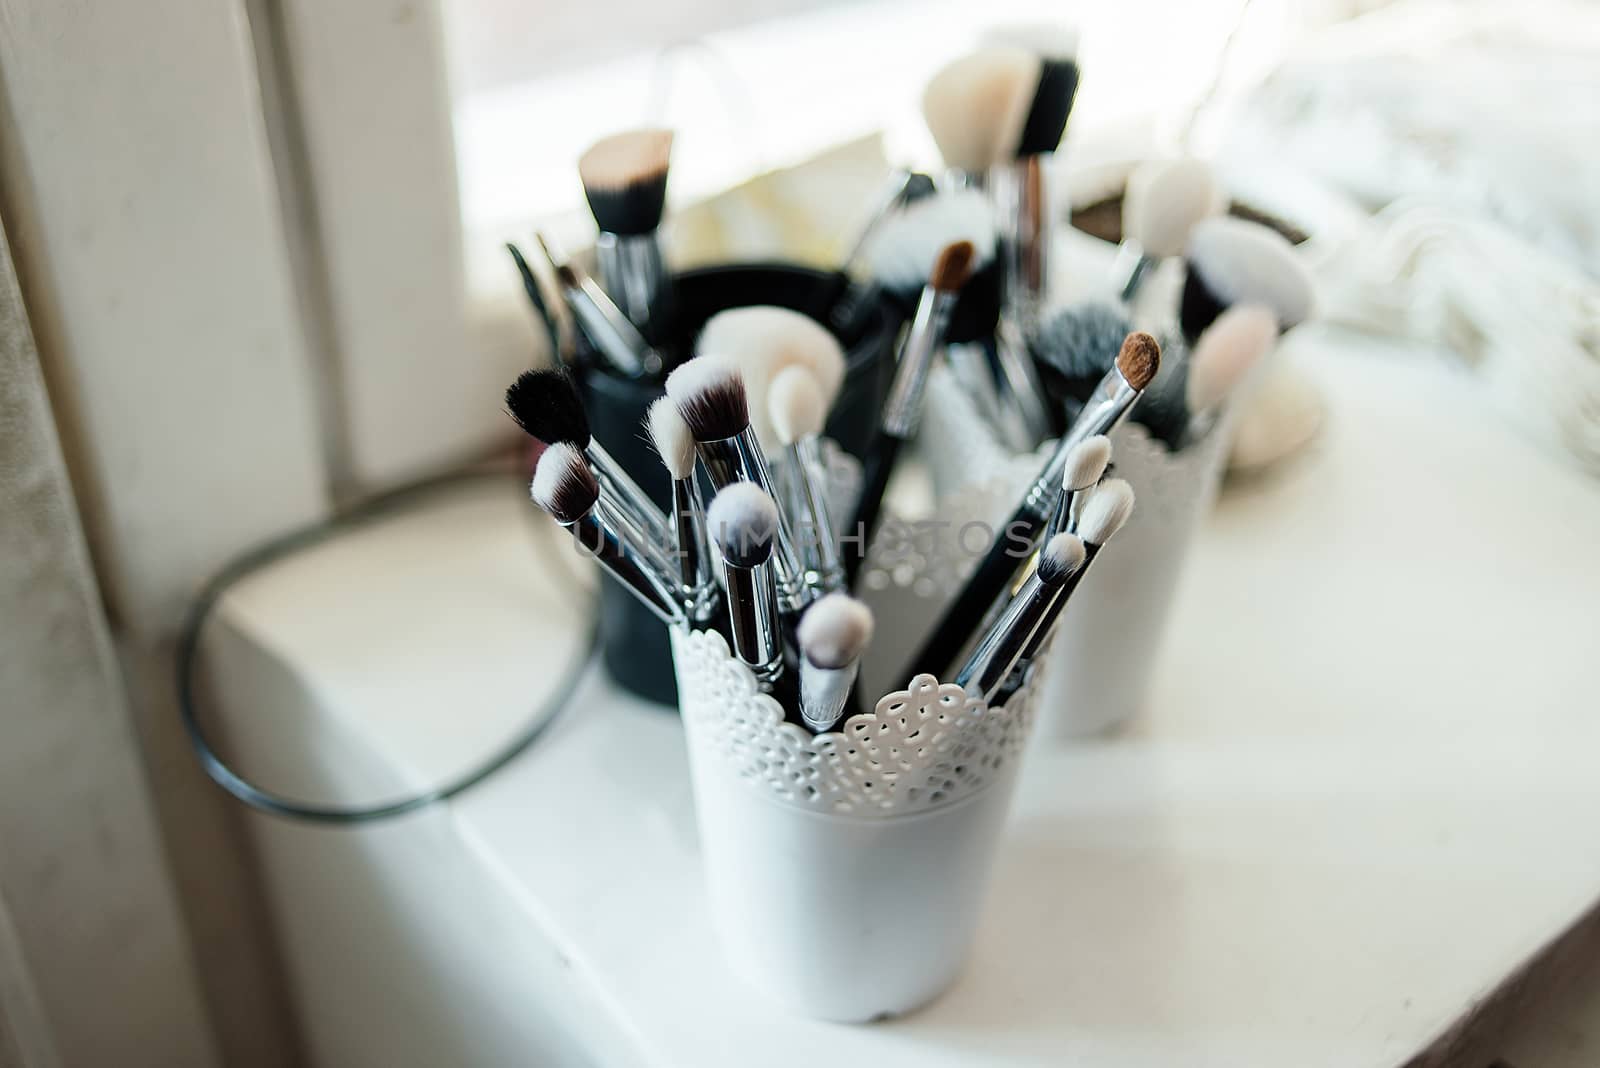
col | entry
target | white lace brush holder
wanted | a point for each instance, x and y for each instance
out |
(846, 870)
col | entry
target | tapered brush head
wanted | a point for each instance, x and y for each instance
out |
(708, 392)
(1086, 463)
(795, 405)
(546, 404)
(743, 520)
(953, 267)
(625, 179)
(1108, 507)
(1226, 352)
(1057, 88)
(1061, 556)
(1139, 359)
(1075, 347)
(1234, 261)
(975, 106)
(671, 437)
(563, 485)
(763, 340)
(834, 631)
(907, 247)
(1164, 202)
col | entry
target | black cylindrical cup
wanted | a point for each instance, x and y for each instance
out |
(635, 648)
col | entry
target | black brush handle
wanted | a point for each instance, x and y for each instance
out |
(964, 614)
(874, 480)
(530, 283)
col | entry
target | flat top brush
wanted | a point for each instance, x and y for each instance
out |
(743, 521)
(1164, 201)
(1056, 45)
(976, 106)
(1234, 261)
(832, 635)
(764, 340)
(1137, 364)
(625, 180)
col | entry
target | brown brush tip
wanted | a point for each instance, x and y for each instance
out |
(953, 267)
(1139, 359)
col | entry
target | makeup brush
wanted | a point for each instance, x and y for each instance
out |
(1107, 509)
(625, 180)
(987, 669)
(797, 408)
(975, 108)
(671, 437)
(902, 408)
(849, 302)
(1233, 261)
(1073, 349)
(564, 486)
(710, 396)
(832, 635)
(1163, 202)
(545, 403)
(1110, 403)
(743, 521)
(552, 326)
(1086, 464)
(612, 333)
(1183, 409)
(763, 340)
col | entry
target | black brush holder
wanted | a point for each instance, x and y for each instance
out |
(634, 644)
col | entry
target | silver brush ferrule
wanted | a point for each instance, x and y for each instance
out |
(821, 548)
(753, 620)
(1002, 644)
(739, 459)
(698, 586)
(627, 495)
(599, 536)
(612, 332)
(633, 272)
(1101, 414)
(903, 407)
(823, 692)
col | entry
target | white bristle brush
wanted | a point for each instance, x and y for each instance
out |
(832, 635)
(1086, 463)
(797, 408)
(673, 442)
(906, 247)
(743, 520)
(1223, 356)
(1163, 202)
(1001, 646)
(1234, 261)
(976, 106)
(625, 180)
(765, 339)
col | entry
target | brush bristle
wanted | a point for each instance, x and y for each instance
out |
(709, 393)
(1081, 342)
(546, 404)
(1245, 262)
(795, 405)
(1232, 345)
(835, 631)
(563, 485)
(908, 244)
(743, 520)
(1060, 557)
(1086, 463)
(1139, 359)
(764, 340)
(952, 268)
(671, 437)
(1108, 507)
(625, 179)
(1056, 44)
(1165, 200)
(975, 106)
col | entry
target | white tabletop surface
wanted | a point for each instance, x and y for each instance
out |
(1364, 791)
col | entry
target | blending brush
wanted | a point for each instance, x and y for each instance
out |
(1107, 509)
(797, 407)
(1001, 646)
(1110, 403)
(743, 521)
(1163, 202)
(612, 333)
(625, 180)
(902, 408)
(1181, 408)
(546, 405)
(975, 108)
(832, 635)
(710, 396)
(1086, 464)
(1234, 261)
(671, 437)
(763, 340)
(564, 486)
